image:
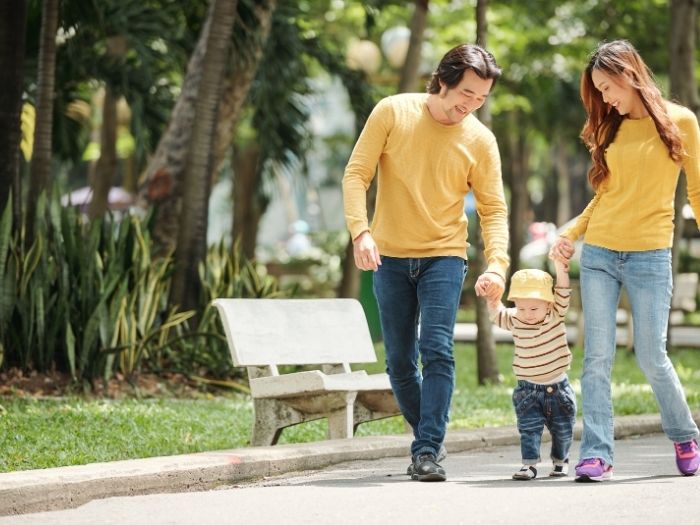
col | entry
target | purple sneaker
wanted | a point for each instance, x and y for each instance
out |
(687, 457)
(593, 469)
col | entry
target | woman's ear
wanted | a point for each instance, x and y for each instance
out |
(629, 78)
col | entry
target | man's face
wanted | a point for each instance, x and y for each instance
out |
(467, 96)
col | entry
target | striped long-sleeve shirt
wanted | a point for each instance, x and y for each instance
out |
(542, 353)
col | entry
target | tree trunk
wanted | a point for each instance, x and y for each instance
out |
(13, 21)
(191, 241)
(40, 173)
(684, 88)
(486, 363)
(247, 206)
(162, 182)
(349, 286)
(411, 66)
(519, 196)
(237, 84)
(563, 178)
(107, 163)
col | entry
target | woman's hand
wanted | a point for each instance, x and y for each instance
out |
(562, 250)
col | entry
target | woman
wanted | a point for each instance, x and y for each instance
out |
(638, 143)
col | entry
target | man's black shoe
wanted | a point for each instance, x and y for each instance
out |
(426, 468)
(442, 454)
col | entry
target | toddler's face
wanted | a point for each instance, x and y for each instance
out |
(531, 311)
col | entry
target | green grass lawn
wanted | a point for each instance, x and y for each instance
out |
(54, 432)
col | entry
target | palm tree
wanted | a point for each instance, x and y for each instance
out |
(410, 69)
(487, 365)
(683, 87)
(163, 179)
(197, 179)
(41, 157)
(13, 14)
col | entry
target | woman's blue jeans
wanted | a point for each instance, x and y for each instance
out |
(418, 301)
(647, 279)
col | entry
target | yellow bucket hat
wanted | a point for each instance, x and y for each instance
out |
(531, 284)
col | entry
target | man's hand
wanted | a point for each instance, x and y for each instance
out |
(366, 252)
(490, 286)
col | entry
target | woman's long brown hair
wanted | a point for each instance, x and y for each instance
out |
(617, 58)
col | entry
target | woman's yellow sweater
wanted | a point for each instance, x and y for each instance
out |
(634, 209)
(425, 169)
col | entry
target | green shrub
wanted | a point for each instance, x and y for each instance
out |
(89, 298)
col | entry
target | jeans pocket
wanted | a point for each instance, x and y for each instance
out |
(523, 400)
(566, 401)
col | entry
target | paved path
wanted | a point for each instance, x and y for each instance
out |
(646, 489)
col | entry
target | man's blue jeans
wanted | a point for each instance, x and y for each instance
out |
(537, 406)
(647, 278)
(418, 301)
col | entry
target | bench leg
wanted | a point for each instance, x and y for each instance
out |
(271, 417)
(381, 405)
(340, 422)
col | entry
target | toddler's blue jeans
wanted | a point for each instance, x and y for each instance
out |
(537, 406)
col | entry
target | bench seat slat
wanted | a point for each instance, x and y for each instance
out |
(315, 381)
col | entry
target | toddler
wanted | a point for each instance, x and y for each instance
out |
(543, 395)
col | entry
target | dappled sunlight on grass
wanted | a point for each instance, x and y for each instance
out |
(687, 374)
(48, 433)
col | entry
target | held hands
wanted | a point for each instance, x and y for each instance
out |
(490, 286)
(561, 251)
(366, 252)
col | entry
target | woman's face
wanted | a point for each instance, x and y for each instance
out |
(618, 92)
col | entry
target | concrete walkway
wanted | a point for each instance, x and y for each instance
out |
(67, 487)
(646, 489)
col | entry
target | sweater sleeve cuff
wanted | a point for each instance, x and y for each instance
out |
(357, 229)
(498, 270)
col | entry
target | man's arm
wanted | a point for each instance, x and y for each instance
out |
(362, 167)
(487, 185)
(358, 176)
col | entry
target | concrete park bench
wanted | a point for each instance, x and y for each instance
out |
(324, 336)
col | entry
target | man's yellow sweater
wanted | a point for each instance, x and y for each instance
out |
(633, 210)
(425, 169)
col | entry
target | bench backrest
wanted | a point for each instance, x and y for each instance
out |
(269, 332)
(685, 290)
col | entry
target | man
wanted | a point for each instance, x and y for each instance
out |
(430, 152)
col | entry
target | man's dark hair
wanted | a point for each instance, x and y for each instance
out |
(460, 58)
